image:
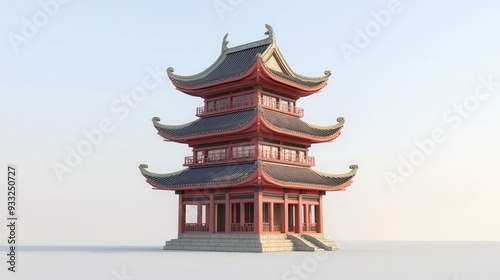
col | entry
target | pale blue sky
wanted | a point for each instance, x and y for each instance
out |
(392, 93)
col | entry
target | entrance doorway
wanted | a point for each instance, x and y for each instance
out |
(221, 217)
(292, 213)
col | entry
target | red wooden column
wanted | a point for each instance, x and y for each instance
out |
(211, 213)
(271, 216)
(300, 210)
(319, 213)
(242, 215)
(258, 94)
(228, 212)
(199, 214)
(182, 215)
(284, 218)
(306, 216)
(257, 210)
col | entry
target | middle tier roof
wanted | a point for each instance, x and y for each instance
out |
(257, 119)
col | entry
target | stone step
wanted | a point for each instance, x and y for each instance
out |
(242, 243)
(231, 243)
(320, 241)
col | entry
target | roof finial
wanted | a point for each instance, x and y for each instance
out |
(270, 32)
(224, 43)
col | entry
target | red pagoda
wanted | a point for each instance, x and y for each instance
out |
(249, 178)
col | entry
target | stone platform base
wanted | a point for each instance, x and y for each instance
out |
(257, 243)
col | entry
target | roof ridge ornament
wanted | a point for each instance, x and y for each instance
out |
(224, 43)
(270, 33)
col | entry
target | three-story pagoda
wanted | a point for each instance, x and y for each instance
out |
(249, 178)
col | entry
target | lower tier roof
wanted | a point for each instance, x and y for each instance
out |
(274, 173)
(212, 175)
(295, 175)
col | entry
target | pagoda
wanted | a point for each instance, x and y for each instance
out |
(248, 185)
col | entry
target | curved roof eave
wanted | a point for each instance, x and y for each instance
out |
(144, 172)
(297, 126)
(289, 71)
(298, 184)
(225, 51)
(213, 125)
(213, 177)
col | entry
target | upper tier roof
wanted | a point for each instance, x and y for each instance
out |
(237, 63)
(230, 65)
(246, 173)
(236, 121)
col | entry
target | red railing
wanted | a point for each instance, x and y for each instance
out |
(190, 160)
(266, 227)
(277, 227)
(193, 227)
(309, 227)
(282, 107)
(309, 160)
(245, 227)
(224, 107)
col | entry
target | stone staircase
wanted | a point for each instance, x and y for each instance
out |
(230, 243)
(250, 243)
(320, 241)
(311, 242)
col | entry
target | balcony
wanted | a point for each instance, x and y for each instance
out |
(218, 158)
(249, 103)
(288, 157)
(249, 155)
(283, 107)
(225, 107)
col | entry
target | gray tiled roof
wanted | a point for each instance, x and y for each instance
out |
(294, 124)
(296, 175)
(207, 125)
(295, 79)
(233, 65)
(212, 175)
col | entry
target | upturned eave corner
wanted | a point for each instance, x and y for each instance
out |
(275, 53)
(225, 50)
